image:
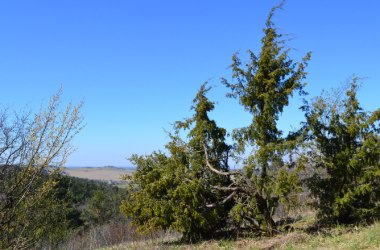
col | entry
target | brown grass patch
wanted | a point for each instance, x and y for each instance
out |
(98, 173)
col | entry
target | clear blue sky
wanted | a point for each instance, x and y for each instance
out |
(138, 64)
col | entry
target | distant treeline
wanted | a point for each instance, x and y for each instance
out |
(89, 202)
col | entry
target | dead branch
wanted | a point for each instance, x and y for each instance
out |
(214, 169)
(223, 201)
(227, 188)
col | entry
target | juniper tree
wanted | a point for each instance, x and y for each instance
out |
(344, 156)
(192, 190)
(263, 87)
(174, 190)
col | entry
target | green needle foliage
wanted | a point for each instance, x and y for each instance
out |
(192, 190)
(175, 191)
(263, 87)
(344, 156)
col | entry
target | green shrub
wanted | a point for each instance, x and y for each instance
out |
(345, 157)
(174, 192)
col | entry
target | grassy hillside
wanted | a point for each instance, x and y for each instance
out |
(338, 238)
(341, 238)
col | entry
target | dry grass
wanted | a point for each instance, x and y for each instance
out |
(349, 237)
(98, 173)
(341, 238)
(170, 243)
(112, 234)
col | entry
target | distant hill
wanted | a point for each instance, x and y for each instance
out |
(107, 173)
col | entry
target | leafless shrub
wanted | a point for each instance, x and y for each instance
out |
(117, 232)
(32, 151)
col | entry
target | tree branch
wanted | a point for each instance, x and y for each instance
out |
(223, 201)
(227, 188)
(214, 169)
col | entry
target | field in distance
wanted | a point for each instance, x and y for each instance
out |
(98, 173)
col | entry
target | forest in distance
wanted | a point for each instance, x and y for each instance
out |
(322, 177)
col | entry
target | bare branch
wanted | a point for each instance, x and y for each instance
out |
(227, 188)
(31, 152)
(223, 201)
(214, 169)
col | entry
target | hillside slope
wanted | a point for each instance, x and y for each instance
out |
(338, 238)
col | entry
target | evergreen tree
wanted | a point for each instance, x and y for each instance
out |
(344, 156)
(263, 87)
(193, 190)
(175, 191)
